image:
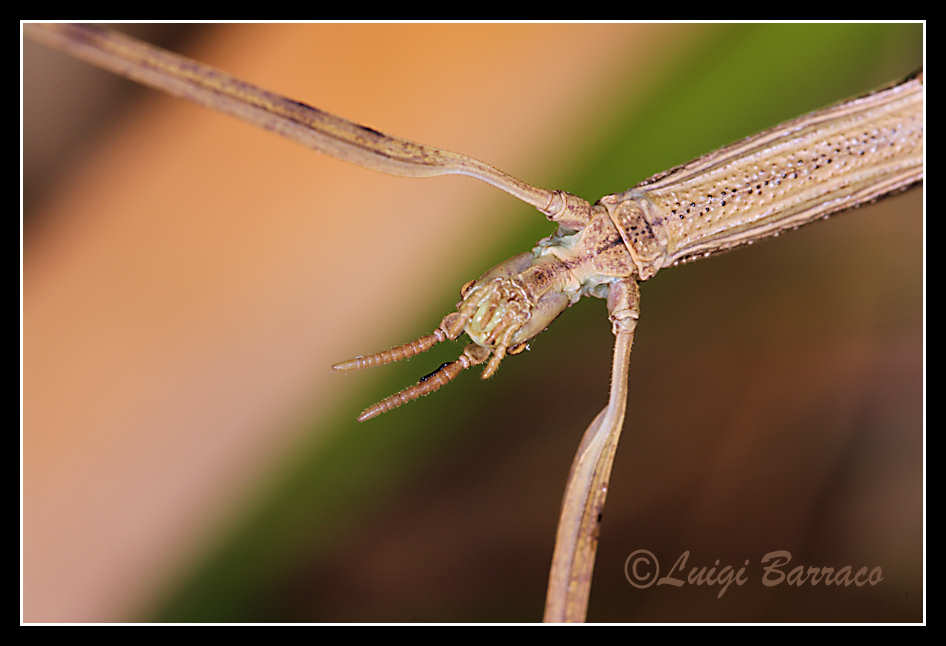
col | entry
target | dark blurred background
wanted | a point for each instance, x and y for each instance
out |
(188, 280)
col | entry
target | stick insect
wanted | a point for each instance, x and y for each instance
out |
(548, 203)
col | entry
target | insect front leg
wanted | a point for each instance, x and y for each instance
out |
(583, 504)
(624, 305)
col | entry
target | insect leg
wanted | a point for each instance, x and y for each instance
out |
(577, 539)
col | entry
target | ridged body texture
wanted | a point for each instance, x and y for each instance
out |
(808, 168)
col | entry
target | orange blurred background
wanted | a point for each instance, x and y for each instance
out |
(191, 278)
(188, 279)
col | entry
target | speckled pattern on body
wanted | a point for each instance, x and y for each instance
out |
(808, 168)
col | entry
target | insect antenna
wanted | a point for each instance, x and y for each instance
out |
(397, 353)
(472, 355)
(450, 328)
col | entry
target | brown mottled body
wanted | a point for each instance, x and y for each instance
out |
(802, 170)
(808, 168)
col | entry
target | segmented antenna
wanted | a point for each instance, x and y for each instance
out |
(450, 328)
(472, 355)
(394, 354)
